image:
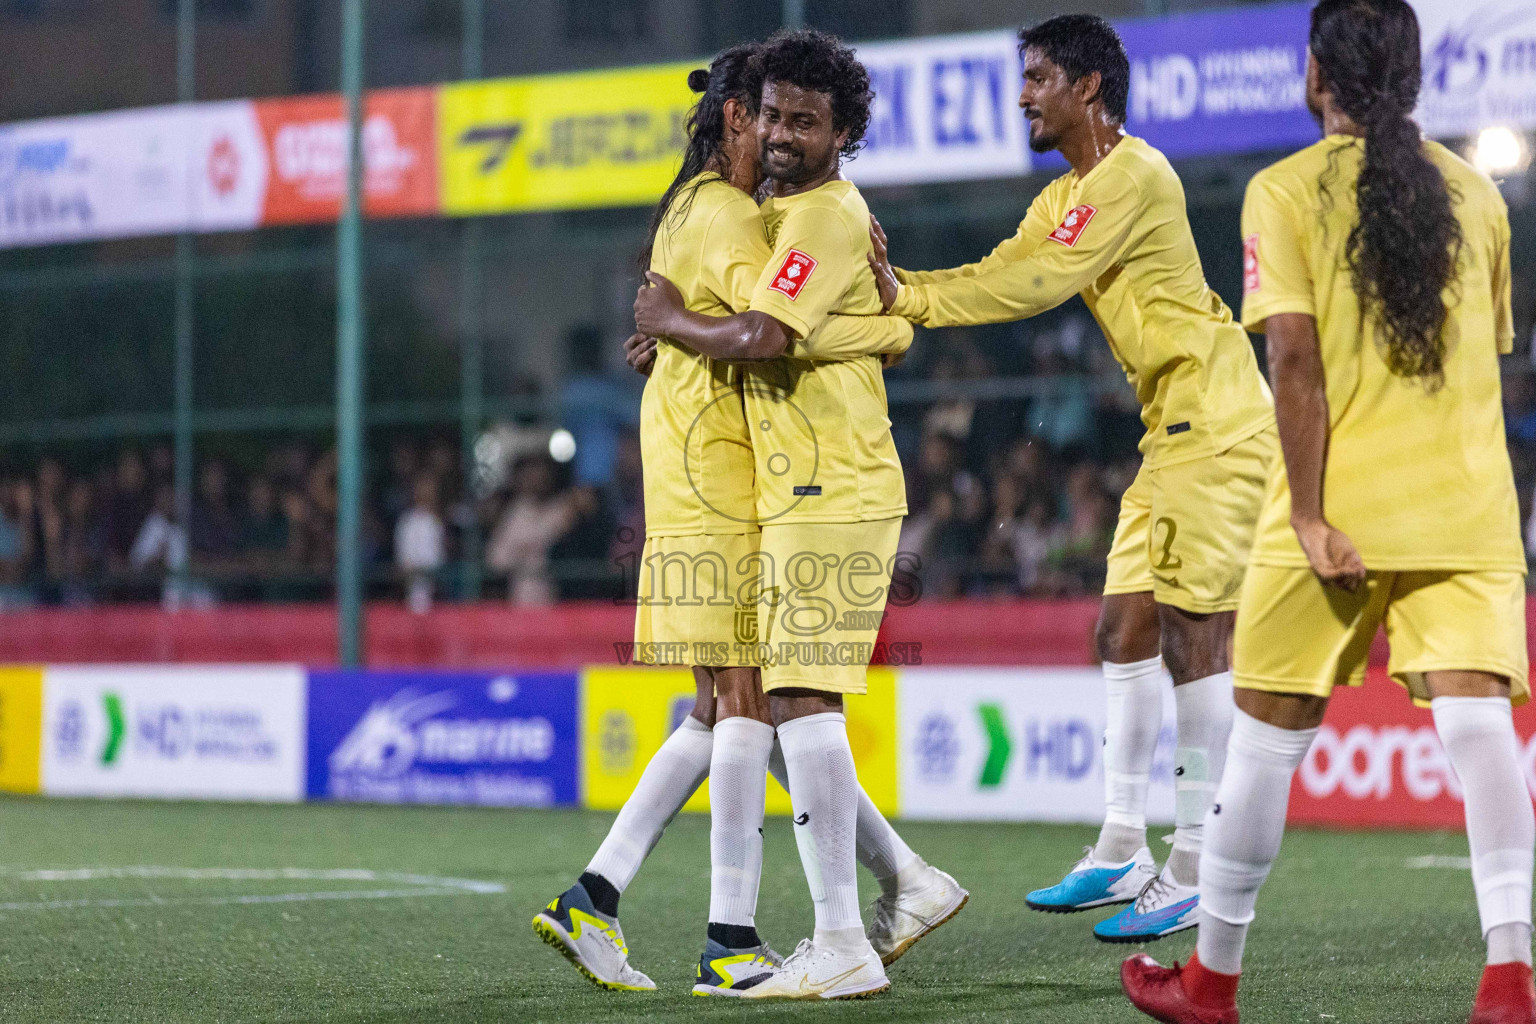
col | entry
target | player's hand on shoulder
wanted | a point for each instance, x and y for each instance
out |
(640, 353)
(1331, 554)
(880, 264)
(656, 303)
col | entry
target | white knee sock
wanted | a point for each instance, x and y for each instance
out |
(1478, 734)
(737, 784)
(1243, 832)
(878, 846)
(674, 772)
(1204, 708)
(824, 795)
(1134, 694)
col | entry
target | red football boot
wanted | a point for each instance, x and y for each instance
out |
(1505, 996)
(1169, 994)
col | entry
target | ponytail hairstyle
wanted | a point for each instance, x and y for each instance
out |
(1403, 249)
(734, 75)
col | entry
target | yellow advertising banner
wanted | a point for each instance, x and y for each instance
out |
(628, 712)
(559, 142)
(21, 729)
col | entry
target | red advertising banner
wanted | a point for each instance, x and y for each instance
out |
(306, 140)
(1377, 762)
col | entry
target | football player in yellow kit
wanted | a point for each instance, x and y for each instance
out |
(829, 485)
(1377, 264)
(1114, 230)
(700, 557)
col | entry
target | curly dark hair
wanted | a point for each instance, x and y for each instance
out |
(1080, 44)
(817, 61)
(734, 75)
(1403, 250)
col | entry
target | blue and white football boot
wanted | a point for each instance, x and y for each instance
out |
(1162, 908)
(1095, 883)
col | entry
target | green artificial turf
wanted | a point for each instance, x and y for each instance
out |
(1347, 932)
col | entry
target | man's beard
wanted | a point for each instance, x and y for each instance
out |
(1041, 142)
(787, 168)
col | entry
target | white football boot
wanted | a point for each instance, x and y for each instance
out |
(820, 972)
(897, 922)
(592, 941)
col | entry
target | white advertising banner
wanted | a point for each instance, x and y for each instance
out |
(151, 171)
(1479, 65)
(178, 732)
(1013, 744)
(946, 108)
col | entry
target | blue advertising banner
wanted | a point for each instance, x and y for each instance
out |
(497, 739)
(1229, 81)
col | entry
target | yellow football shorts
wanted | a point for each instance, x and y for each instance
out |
(1296, 636)
(696, 600)
(1185, 530)
(822, 610)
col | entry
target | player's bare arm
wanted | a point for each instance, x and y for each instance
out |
(661, 312)
(1301, 411)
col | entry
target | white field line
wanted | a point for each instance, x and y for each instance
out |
(1436, 861)
(415, 885)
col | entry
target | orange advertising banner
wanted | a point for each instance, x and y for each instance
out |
(306, 142)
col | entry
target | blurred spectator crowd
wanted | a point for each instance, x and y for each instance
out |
(1010, 493)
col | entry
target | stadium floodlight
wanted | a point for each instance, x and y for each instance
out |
(562, 445)
(1499, 150)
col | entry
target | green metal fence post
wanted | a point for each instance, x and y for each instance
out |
(350, 327)
(186, 69)
(472, 332)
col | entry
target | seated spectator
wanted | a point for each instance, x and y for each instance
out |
(263, 533)
(215, 529)
(536, 516)
(161, 544)
(420, 546)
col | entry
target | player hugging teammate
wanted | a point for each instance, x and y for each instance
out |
(766, 451)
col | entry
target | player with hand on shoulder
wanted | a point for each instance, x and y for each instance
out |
(1114, 230)
(1377, 264)
(829, 493)
(700, 512)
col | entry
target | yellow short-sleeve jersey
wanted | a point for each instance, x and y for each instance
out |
(1119, 236)
(820, 430)
(695, 447)
(1418, 476)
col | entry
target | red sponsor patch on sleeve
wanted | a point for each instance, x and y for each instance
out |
(1250, 264)
(1071, 227)
(793, 274)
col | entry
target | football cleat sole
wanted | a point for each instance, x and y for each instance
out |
(1061, 908)
(545, 930)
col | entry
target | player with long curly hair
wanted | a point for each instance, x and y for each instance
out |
(1377, 263)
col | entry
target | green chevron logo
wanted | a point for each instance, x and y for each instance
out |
(1000, 747)
(116, 727)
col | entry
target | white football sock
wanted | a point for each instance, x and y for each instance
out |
(1478, 734)
(878, 846)
(824, 795)
(1134, 693)
(1243, 833)
(1204, 709)
(674, 772)
(738, 779)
